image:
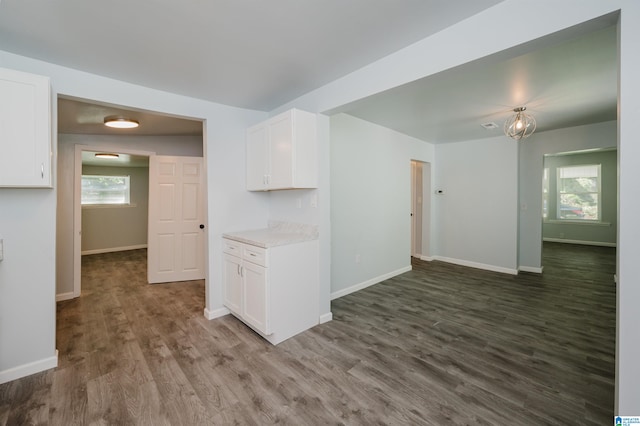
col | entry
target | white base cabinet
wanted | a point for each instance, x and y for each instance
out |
(275, 290)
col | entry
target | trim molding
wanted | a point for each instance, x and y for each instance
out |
(113, 249)
(29, 369)
(477, 265)
(65, 296)
(427, 258)
(582, 242)
(533, 269)
(216, 313)
(326, 317)
(368, 283)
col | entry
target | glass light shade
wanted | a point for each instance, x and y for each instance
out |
(120, 122)
(106, 155)
(520, 125)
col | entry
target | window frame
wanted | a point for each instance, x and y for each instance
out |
(560, 193)
(127, 192)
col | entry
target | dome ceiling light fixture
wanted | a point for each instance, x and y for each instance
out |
(118, 122)
(109, 155)
(520, 125)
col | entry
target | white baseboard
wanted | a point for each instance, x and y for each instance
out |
(477, 265)
(326, 317)
(368, 283)
(65, 296)
(29, 369)
(534, 269)
(216, 313)
(581, 242)
(427, 258)
(114, 249)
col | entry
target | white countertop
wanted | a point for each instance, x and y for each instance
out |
(277, 234)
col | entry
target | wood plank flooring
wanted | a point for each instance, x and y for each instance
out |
(439, 345)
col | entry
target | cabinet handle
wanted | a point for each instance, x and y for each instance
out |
(242, 271)
(42, 170)
(238, 268)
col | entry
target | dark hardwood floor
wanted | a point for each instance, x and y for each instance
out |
(439, 345)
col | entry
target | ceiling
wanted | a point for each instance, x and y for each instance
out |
(87, 118)
(253, 54)
(232, 53)
(124, 160)
(567, 84)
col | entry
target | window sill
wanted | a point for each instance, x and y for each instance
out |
(576, 222)
(108, 206)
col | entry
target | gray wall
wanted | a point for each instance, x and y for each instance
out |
(370, 201)
(476, 217)
(603, 233)
(113, 228)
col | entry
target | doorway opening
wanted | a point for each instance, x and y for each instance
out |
(420, 210)
(579, 198)
(80, 129)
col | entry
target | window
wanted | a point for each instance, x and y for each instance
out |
(109, 190)
(579, 192)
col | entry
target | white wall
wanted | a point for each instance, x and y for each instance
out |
(370, 202)
(532, 151)
(484, 34)
(476, 216)
(28, 216)
(161, 145)
(113, 228)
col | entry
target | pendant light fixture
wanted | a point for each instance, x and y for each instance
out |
(520, 125)
(118, 122)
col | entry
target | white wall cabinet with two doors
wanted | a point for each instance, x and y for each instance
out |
(25, 130)
(273, 290)
(282, 152)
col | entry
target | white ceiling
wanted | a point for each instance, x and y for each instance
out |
(249, 53)
(124, 160)
(563, 85)
(87, 118)
(259, 54)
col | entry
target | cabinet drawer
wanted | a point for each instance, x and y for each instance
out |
(255, 255)
(232, 247)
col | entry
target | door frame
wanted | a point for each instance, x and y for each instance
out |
(421, 210)
(77, 207)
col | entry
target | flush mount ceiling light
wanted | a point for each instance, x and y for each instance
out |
(107, 155)
(520, 125)
(118, 122)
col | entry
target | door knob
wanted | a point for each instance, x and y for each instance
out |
(201, 226)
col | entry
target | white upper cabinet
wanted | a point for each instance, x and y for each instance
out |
(282, 152)
(25, 130)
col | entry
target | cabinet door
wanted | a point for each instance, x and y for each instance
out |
(257, 158)
(281, 151)
(232, 279)
(256, 291)
(25, 130)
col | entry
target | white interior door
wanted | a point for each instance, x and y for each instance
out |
(176, 219)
